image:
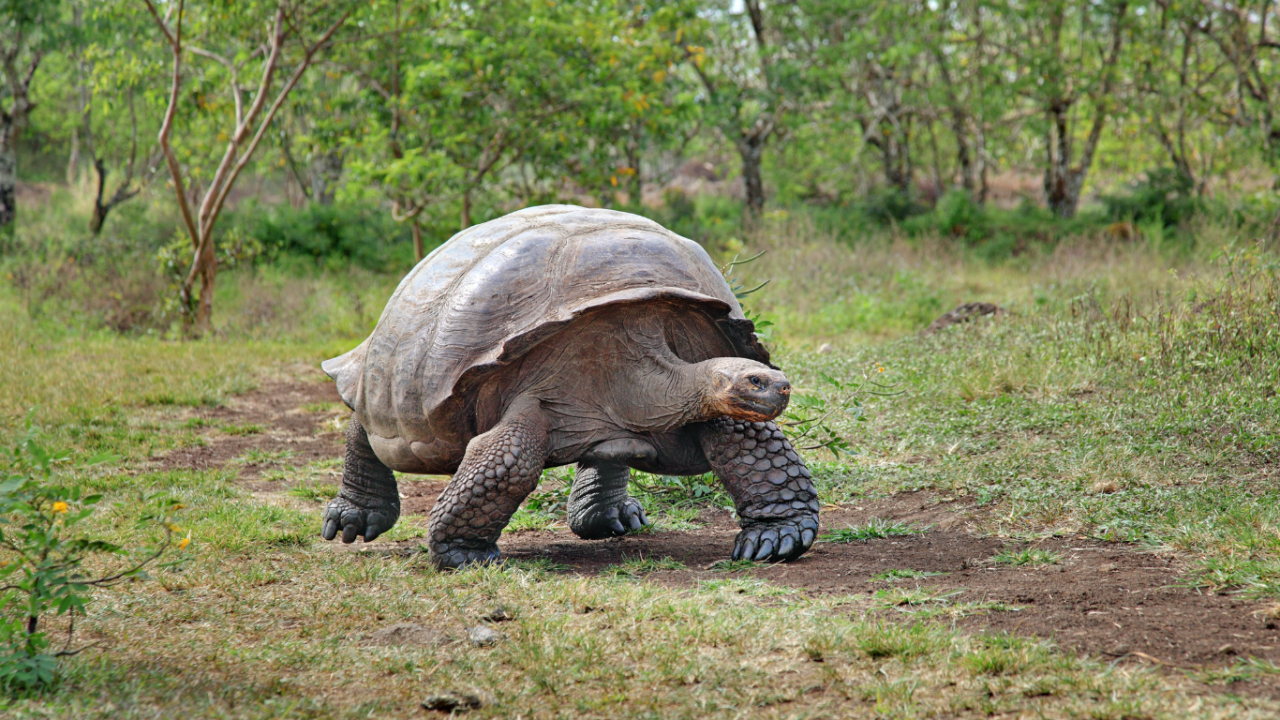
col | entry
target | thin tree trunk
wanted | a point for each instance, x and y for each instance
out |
(466, 209)
(8, 175)
(73, 159)
(99, 210)
(417, 239)
(751, 149)
(208, 273)
(1057, 174)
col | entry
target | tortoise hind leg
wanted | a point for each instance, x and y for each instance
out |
(369, 502)
(501, 467)
(599, 506)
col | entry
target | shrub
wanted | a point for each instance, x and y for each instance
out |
(362, 235)
(43, 546)
(1166, 197)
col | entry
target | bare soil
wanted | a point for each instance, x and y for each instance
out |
(1108, 600)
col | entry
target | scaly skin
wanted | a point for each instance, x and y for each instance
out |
(770, 486)
(500, 469)
(599, 506)
(369, 502)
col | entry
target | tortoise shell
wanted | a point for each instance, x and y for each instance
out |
(496, 290)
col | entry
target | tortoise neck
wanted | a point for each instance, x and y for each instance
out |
(695, 387)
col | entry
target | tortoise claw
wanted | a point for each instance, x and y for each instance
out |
(775, 540)
(355, 521)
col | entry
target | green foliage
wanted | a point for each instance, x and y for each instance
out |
(44, 545)
(338, 235)
(1165, 198)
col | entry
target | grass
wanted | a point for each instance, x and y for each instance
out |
(1118, 401)
(1027, 557)
(873, 529)
(634, 569)
(904, 574)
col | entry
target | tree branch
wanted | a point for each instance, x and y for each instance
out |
(166, 126)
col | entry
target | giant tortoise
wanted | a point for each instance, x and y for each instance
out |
(558, 335)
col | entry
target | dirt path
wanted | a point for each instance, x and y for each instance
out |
(1108, 600)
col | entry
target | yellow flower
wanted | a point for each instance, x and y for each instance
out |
(174, 528)
(59, 507)
(183, 543)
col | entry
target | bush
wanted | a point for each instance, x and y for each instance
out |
(43, 547)
(362, 235)
(1166, 197)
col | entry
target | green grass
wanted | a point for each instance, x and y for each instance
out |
(634, 569)
(314, 491)
(243, 429)
(873, 529)
(1027, 557)
(1096, 409)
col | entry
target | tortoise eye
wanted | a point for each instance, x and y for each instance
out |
(755, 380)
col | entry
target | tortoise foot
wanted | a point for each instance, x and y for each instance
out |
(609, 520)
(357, 520)
(454, 554)
(774, 540)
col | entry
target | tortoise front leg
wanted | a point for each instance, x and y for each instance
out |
(369, 502)
(501, 467)
(770, 486)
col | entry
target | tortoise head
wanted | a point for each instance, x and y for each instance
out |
(744, 389)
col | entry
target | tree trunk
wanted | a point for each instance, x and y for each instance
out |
(99, 210)
(635, 187)
(1057, 173)
(74, 159)
(203, 321)
(8, 177)
(417, 240)
(326, 170)
(751, 148)
(466, 209)
(895, 152)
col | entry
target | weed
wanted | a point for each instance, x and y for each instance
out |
(892, 575)
(904, 598)
(733, 565)
(873, 529)
(314, 491)
(633, 569)
(44, 548)
(1027, 557)
(243, 429)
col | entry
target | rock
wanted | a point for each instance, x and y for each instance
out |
(825, 348)
(963, 314)
(452, 702)
(406, 634)
(498, 614)
(482, 636)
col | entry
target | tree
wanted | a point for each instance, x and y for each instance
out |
(28, 30)
(751, 81)
(108, 76)
(1069, 55)
(245, 38)
(1247, 36)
